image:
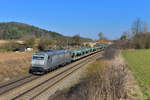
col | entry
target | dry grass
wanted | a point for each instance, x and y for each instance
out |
(7, 41)
(3, 41)
(102, 82)
(13, 55)
(14, 64)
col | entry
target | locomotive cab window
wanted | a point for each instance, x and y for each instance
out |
(38, 58)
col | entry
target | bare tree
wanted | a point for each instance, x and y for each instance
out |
(136, 28)
(125, 35)
(139, 26)
(100, 34)
(145, 27)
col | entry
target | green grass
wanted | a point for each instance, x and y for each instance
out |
(139, 63)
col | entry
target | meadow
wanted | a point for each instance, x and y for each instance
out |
(138, 61)
(14, 64)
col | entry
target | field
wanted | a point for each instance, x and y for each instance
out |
(138, 62)
(7, 41)
(13, 65)
(3, 42)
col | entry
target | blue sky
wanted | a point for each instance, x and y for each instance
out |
(83, 17)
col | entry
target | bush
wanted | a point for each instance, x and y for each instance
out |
(29, 41)
(111, 51)
(45, 43)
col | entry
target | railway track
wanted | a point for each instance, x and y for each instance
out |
(30, 87)
(5, 87)
(35, 97)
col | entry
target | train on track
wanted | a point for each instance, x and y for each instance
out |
(48, 60)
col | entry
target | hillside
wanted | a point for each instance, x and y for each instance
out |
(15, 30)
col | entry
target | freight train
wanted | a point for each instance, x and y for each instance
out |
(48, 60)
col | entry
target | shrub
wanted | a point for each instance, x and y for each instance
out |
(45, 43)
(29, 41)
(111, 51)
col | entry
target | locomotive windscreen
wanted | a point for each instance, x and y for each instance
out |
(38, 57)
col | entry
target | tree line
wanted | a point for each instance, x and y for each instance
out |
(138, 37)
(45, 43)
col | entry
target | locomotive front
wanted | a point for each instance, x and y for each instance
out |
(38, 64)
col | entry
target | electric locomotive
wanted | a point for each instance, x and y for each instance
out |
(45, 61)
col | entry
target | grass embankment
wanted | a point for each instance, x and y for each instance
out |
(139, 63)
(13, 64)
